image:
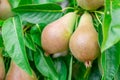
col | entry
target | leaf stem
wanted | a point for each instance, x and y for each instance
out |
(67, 8)
(98, 19)
(26, 28)
(74, 3)
(100, 12)
(70, 68)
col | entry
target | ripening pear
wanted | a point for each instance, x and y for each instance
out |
(90, 4)
(55, 36)
(5, 9)
(2, 67)
(16, 73)
(84, 41)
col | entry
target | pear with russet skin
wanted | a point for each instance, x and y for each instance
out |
(2, 67)
(55, 36)
(84, 41)
(16, 73)
(90, 4)
(5, 9)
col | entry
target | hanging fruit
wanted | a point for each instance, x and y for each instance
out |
(16, 73)
(90, 4)
(5, 9)
(84, 41)
(56, 35)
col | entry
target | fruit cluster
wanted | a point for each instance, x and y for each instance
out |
(58, 37)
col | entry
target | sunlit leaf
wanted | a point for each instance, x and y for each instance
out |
(111, 26)
(12, 34)
(44, 13)
(14, 3)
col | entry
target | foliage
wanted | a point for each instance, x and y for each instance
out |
(20, 38)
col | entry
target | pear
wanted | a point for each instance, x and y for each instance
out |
(90, 4)
(55, 36)
(5, 9)
(84, 41)
(16, 73)
(2, 67)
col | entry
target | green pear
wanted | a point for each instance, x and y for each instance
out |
(84, 41)
(2, 67)
(90, 4)
(55, 36)
(16, 73)
(5, 9)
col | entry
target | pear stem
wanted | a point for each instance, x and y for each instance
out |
(100, 12)
(47, 54)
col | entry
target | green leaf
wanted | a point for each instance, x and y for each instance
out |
(98, 25)
(13, 39)
(45, 65)
(1, 22)
(29, 42)
(61, 68)
(111, 61)
(44, 13)
(45, 1)
(23, 2)
(111, 28)
(117, 76)
(1, 41)
(78, 71)
(41, 7)
(14, 3)
(35, 33)
(94, 74)
(30, 54)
